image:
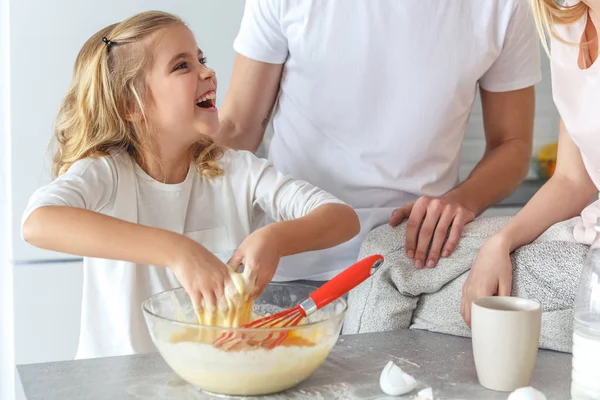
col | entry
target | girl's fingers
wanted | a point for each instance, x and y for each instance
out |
(197, 300)
(210, 299)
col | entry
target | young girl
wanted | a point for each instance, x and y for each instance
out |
(149, 199)
(573, 27)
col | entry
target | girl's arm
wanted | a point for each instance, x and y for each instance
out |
(326, 226)
(90, 234)
(564, 196)
(307, 219)
(63, 216)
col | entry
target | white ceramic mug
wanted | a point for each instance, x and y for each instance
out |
(506, 334)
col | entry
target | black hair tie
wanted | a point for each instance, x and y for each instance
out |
(107, 42)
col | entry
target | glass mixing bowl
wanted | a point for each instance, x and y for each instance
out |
(187, 347)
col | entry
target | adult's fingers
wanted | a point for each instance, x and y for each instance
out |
(504, 285)
(413, 225)
(466, 309)
(439, 237)
(432, 216)
(458, 224)
(400, 214)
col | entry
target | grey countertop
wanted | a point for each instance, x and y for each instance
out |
(352, 371)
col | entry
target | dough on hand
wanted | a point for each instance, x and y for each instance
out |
(235, 307)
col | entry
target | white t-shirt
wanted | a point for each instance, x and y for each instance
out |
(576, 94)
(375, 95)
(218, 213)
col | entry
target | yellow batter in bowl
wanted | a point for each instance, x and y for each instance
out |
(187, 347)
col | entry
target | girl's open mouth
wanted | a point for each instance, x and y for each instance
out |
(207, 100)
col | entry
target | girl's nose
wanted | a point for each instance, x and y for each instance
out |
(206, 73)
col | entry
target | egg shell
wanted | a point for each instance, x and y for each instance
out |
(395, 382)
(526, 393)
(425, 394)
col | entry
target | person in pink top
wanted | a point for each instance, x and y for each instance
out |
(573, 31)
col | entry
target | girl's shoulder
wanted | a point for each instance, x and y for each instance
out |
(97, 164)
(105, 166)
(241, 162)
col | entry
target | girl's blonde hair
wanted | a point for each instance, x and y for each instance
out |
(549, 12)
(107, 89)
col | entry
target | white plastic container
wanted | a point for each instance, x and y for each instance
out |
(585, 379)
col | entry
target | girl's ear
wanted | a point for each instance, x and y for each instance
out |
(134, 113)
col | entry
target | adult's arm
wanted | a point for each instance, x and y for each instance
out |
(248, 104)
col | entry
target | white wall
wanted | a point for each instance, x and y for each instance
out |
(47, 308)
(6, 278)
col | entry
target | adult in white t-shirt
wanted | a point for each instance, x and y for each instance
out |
(370, 102)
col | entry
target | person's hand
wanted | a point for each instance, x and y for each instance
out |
(434, 227)
(259, 254)
(491, 274)
(201, 273)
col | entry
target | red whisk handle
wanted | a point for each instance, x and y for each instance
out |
(342, 283)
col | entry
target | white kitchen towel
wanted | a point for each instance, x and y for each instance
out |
(400, 296)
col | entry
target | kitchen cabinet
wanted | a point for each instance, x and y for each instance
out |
(47, 305)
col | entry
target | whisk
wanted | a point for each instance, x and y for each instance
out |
(334, 289)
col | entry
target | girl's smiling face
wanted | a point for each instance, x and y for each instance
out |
(181, 90)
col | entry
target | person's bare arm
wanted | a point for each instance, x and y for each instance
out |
(439, 221)
(326, 226)
(90, 234)
(508, 125)
(248, 104)
(564, 196)
(307, 219)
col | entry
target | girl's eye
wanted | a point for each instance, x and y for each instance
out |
(202, 60)
(181, 66)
